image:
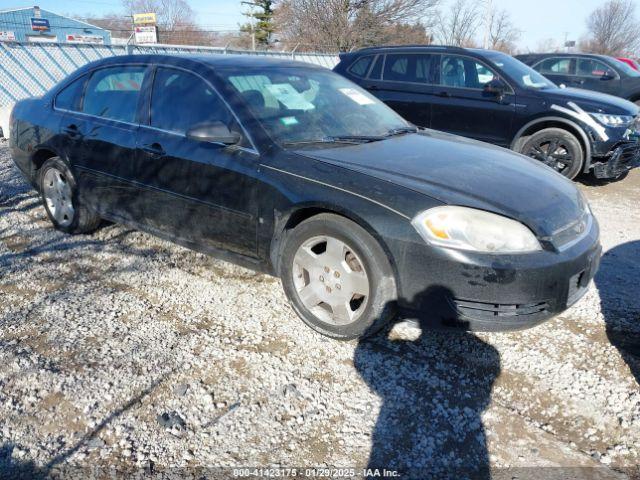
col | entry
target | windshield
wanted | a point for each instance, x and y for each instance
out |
(302, 105)
(522, 74)
(626, 68)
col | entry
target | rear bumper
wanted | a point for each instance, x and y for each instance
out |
(444, 288)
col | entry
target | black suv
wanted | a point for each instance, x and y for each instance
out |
(492, 97)
(593, 72)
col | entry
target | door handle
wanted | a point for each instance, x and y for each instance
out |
(373, 87)
(444, 94)
(71, 130)
(154, 149)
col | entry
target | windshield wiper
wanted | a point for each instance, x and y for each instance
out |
(323, 140)
(357, 138)
(401, 131)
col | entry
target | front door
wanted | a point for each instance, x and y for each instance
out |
(596, 75)
(560, 70)
(193, 190)
(462, 107)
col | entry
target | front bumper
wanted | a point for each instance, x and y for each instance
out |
(441, 287)
(620, 160)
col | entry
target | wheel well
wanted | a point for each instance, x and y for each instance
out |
(302, 214)
(536, 127)
(40, 157)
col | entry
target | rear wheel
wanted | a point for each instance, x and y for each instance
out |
(556, 148)
(58, 189)
(337, 277)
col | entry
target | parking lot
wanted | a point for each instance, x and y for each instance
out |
(120, 349)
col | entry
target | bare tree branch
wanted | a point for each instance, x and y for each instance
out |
(502, 33)
(613, 29)
(459, 24)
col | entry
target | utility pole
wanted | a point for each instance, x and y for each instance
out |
(488, 12)
(252, 23)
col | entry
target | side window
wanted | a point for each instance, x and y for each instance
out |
(69, 97)
(464, 72)
(360, 67)
(557, 66)
(113, 93)
(593, 68)
(182, 100)
(412, 68)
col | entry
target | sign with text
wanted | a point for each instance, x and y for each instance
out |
(84, 39)
(142, 18)
(146, 35)
(7, 37)
(40, 24)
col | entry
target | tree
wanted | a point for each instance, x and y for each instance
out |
(346, 24)
(613, 29)
(261, 23)
(503, 35)
(458, 25)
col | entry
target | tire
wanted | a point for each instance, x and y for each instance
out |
(567, 158)
(334, 276)
(59, 193)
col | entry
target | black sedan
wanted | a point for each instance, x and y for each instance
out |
(293, 170)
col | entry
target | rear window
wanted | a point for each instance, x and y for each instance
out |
(360, 67)
(113, 93)
(558, 66)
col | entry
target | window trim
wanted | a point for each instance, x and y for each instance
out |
(146, 122)
(502, 77)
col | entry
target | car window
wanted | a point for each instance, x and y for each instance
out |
(588, 67)
(113, 93)
(414, 68)
(304, 104)
(464, 72)
(557, 66)
(69, 96)
(360, 67)
(182, 100)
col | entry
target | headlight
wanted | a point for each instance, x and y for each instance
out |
(613, 120)
(470, 229)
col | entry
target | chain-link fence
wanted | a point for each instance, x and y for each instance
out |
(30, 69)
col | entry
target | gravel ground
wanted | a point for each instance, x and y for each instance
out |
(120, 349)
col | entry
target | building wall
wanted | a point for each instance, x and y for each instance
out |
(19, 22)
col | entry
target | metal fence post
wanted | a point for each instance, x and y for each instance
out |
(293, 52)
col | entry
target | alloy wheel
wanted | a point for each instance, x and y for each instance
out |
(330, 280)
(553, 152)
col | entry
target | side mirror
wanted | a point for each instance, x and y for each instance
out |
(215, 132)
(608, 75)
(495, 87)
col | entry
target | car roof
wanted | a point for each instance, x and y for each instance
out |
(563, 54)
(423, 48)
(212, 59)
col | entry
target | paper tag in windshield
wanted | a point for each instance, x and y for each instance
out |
(356, 96)
(289, 96)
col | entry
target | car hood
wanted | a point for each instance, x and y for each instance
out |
(459, 171)
(590, 101)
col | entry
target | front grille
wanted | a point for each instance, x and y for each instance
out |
(493, 311)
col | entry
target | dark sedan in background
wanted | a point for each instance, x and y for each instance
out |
(492, 97)
(600, 73)
(294, 170)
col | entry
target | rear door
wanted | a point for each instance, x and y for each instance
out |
(461, 106)
(560, 70)
(404, 81)
(101, 137)
(193, 190)
(593, 74)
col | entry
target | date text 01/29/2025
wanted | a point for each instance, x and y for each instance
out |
(283, 472)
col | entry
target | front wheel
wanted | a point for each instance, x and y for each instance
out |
(556, 148)
(337, 277)
(59, 193)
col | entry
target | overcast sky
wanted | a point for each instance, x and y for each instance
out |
(537, 19)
